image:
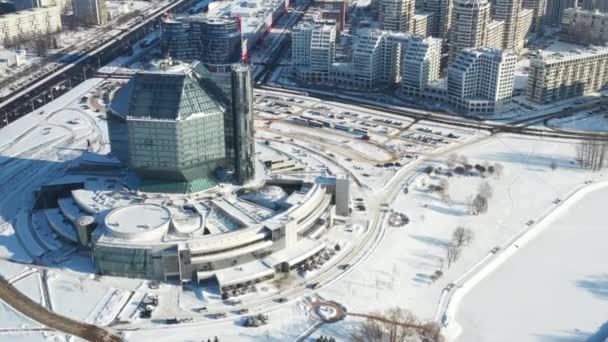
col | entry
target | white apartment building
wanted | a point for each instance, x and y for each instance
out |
(507, 11)
(423, 24)
(29, 23)
(517, 22)
(441, 11)
(421, 65)
(585, 27)
(495, 35)
(558, 76)
(480, 81)
(313, 50)
(539, 10)
(469, 27)
(367, 59)
(525, 20)
(27, 4)
(91, 12)
(396, 15)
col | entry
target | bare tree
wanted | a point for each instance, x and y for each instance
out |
(396, 325)
(452, 254)
(480, 204)
(460, 236)
(592, 154)
(485, 190)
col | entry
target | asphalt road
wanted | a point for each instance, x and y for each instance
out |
(22, 303)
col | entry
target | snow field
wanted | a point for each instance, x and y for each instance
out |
(398, 273)
(553, 273)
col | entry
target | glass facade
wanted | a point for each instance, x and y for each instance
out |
(171, 128)
(213, 41)
(125, 262)
(242, 125)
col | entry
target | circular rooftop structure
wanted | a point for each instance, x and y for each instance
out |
(272, 193)
(138, 222)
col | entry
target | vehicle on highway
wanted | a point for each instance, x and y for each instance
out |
(312, 285)
(281, 300)
(344, 266)
(495, 250)
(201, 309)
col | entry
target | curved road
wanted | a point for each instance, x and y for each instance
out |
(37, 312)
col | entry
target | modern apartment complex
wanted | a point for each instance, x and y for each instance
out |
(539, 10)
(313, 49)
(558, 76)
(585, 27)
(440, 15)
(27, 4)
(555, 10)
(396, 15)
(480, 81)
(379, 59)
(421, 65)
(469, 27)
(28, 24)
(90, 12)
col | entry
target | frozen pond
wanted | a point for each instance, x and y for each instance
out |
(554, 288)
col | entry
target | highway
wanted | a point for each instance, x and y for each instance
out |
(86, 59)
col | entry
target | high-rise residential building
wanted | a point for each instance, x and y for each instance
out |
(333, 9)
(442, 13)
(367, 58)
(28, 24)
(585, 27)
(423, 24)
(508, 11)
(216, 42)
(90, 12)
(242, 114)
(539, 8)
(313, 49)
(396, 15)
(469, 26)
(27, 4)
(555, 10)
(525, 20)
(480, 81)
(561, 75)
(421, 64)
(592, 5)
(495, 35)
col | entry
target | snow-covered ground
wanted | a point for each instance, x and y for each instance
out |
(398, 272)
(586, 121)
(554, 287)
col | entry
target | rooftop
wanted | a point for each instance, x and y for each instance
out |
(134, 221)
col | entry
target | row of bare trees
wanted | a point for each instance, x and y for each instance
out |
(592, 154)
(396, 325)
